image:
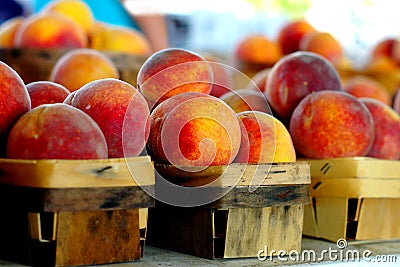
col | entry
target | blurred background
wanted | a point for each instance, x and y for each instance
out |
(217, 25)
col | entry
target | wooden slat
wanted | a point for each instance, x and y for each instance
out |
(355, 187)
(77, 173)
(75, 199)
(285, 228)
(265, 196)
(351, 167)
(87, 238)
(310, 221)
(237, 174)
(247, 230)
(379, 219)
(331, 214)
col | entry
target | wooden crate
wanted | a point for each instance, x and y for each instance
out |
(243, 221)
(353, 198)
(34, 64)
(74, 212)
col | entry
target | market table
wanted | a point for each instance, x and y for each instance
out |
(159, 257)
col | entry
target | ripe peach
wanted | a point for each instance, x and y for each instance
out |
(46, 92)
(14, 101)
(120, 39)
(384, 48)
(324, 44)
(76, 10)
(49, 31)
(194, 129)
(172, 71)
(246, 100)
(257, 51)
(120, 111)
(364, 86)
(386, 143)
(295, 76)
(330, 124)
(56, 131)
(7, 31)
(290, 34)
(264, 139)
(80, 66)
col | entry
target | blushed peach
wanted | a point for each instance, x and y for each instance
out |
(14, 101)
(49, 31)
(194, 129)
(172, 71)
(56, 131)
(264, 139)
(76, 10)
(290, 34)
(46, 92)
(120, 111)
(331, 124)
(80, 66)
(364, 86)
(294, 77)
(386, 143)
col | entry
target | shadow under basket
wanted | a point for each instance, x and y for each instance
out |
(74, 212)
(240, 223)
(353, 198)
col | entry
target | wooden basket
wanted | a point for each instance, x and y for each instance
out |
(240, 223)
(36, 64)
(354, 198)
(74, 212)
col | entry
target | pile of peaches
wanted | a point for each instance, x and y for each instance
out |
(70, 24)
(186, 110)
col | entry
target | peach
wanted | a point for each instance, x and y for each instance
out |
(246, 100)
(46, 92)
(257, 51)
(324, 44)
(194, 129)
(7, 31)
(120, 111)
(120, 39)
(386, 143)
(364, 86)
(56, 131)
(264, 139)
(172, 71)
(384, 48)
(79, 66)
(76, 10)
(49, 31)
(290, 34)
(259, 80)
(331, 124)
(295, 76)
(396, 101)
(14, 101)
